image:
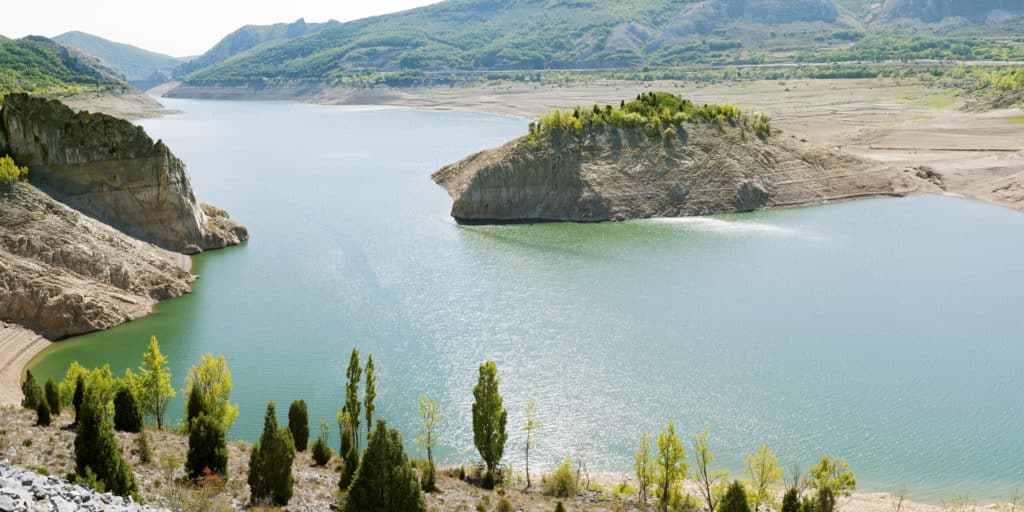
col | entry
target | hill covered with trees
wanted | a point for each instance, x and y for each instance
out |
(142, 68)
(39, 65)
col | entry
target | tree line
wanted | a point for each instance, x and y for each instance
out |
(380, 476)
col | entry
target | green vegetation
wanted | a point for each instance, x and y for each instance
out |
(270, 464)
(735, 499)
(38, 65)
(321, 451)
(707, 478)
(97, 458)
(371, 393)
(643, 465)
(352, 405)
(127, 415)
(43, 414)
(11, 172)
(762, 472)
(885, 46)
(31, 395)
(489, 419)
(430, 417)
(207, 448)
(152, 386)
(142, 444)
(532, 425)
(669, 466)
(298, 424)
(563, 482)
(385, 480)
(661, 114)
(833, 473)
(134, 63)
(1017, 119)
(212, 378)
(52, 396)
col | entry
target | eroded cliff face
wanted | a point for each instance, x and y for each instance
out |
(63, 273)
(617, 174)
(110, 169)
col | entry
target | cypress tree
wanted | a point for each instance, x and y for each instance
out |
(142, 441)
(127, 414)
(825, 501)
(194, 407)
(489, 419)
(298, 424)
(559, 507)
(791, 501)
(350, 458)
(270, 465)
(385, 481)
(31, 394)
(78, 398)
(428, 478)
(96, 450)
(207, 448)
(352, 405)
(42, 414)
(53, 396)
(735, 499)
(371, 393)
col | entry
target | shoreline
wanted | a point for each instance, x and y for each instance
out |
(18, 347)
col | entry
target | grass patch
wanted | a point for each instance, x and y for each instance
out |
(937, 100)
(1017, 119)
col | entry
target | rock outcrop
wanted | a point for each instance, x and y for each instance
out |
(613, 173)
(21, 489)
(63, 273)
(110, 169)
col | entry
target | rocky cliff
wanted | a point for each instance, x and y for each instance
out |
(110, 169)
(937, 10)
(618, 173)
(63, 273)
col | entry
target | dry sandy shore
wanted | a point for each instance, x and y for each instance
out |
(18, 346)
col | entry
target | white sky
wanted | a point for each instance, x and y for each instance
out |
(177, 27)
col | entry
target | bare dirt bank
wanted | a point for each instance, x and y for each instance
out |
(18, 346)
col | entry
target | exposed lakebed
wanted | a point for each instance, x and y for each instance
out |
(886, 331)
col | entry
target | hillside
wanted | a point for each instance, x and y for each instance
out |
(938, 10)
(142, 68)
(247, 38)
(657, 156)
(39, 65)
(539, 34)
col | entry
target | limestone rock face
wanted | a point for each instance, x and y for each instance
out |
(110, 169)
(622, 173)
(63, 273)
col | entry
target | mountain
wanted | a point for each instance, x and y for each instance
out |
(537, 34)
(249, 37)
(39, 65)
(938, 10)
(141, 67)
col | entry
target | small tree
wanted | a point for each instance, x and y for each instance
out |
(385, 481)
(142, 442)
(489, 419)
(30, 391)
(352, 406)
(298, 424)
(127, 415)
(564, 482)
(371, 393)
(78, 397)
(763, 472)
(532, 425)
(96, 451)
(791, 500)
(833, 473)
(321, 451)
(735, 499)
(705, 475)
(670, 466)
(428, 477)
(195, 406)
(213, 379)
(207, 448)
(349, 455)
(53, 396)
(270, 464)
(43, 414)
(430, 417)
(643, 465)
(152, 386)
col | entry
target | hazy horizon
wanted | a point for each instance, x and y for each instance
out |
(159, 30)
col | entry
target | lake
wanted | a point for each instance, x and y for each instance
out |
(885, 331)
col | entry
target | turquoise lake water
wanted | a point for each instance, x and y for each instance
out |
(890, 332)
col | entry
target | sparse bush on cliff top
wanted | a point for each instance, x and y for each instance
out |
(562, 482)
(385, 481)
(207, 448)
(321, 451)
(127, 415)
(298, 424)
(661, 113)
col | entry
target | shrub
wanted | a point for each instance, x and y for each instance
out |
(11, 172)
(207, 448)
(428, 478)
(559, 507)
(385, 481)
(562, 482)
(53, 396)
(142, 443)
(195, 406)
(127, 415)
(42, 414)
(31, 394)
(96, 449)
(270, 464)
(791, 501)
(623, 491)
(298, 424)
(735, 499)
(321, 452)
(350, 458)
(504, 505)
(79, 397)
